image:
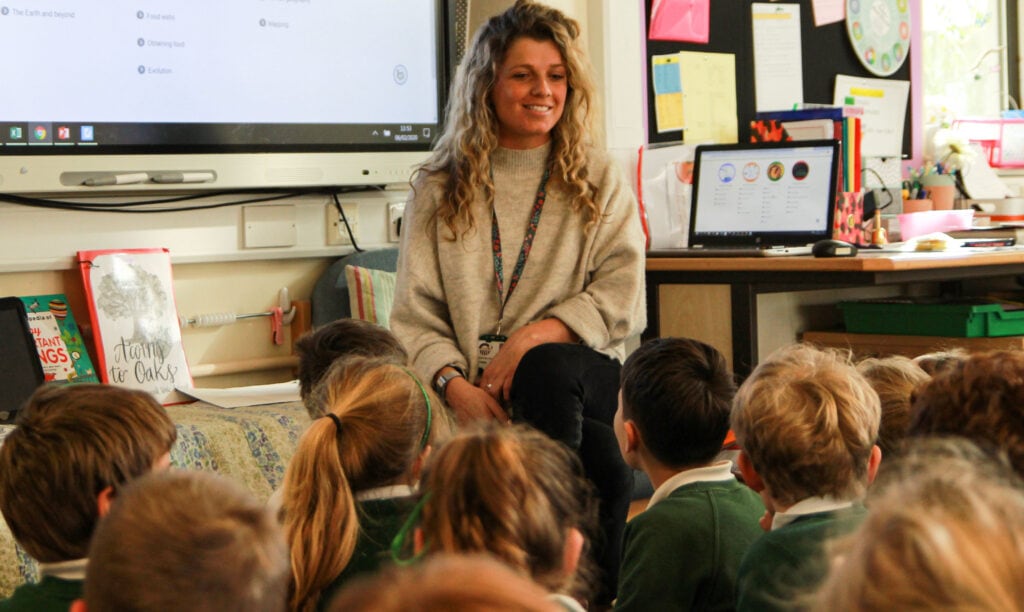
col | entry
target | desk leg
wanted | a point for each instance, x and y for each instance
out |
(653, 329)
(744, 329)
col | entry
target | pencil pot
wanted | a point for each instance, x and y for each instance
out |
(940, 189)
(913, 206)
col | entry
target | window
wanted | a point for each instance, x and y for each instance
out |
(966, 56)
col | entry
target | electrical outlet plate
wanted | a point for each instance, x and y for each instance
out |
(395, 212)
(336, 232)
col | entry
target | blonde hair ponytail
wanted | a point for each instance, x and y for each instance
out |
(378, 418)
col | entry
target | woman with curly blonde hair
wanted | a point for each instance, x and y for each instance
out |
(521, 265)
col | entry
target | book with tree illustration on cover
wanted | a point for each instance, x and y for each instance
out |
(135, 320)
(58, 340)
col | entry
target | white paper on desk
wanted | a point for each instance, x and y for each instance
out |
(980, 181)
(255, 395)
(885, 110)
(778, 63)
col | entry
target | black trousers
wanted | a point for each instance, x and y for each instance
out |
(570, 392)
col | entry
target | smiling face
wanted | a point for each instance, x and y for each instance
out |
(529, 93)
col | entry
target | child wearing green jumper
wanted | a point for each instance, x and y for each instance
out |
(684, 550)
(806, 422)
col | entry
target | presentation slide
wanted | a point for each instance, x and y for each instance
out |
(219, 61)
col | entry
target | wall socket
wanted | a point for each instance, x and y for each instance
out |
(336, 232)
(395, 212)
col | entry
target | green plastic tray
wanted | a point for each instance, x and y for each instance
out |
(968, 318)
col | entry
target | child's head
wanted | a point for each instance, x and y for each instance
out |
(182, 540)
(946, 533)
(807, 421)
(674, 403)
(468, 583)
(321, 347)
(981, 398)
(894, 379)
(938, 362)
(379, 423)
(514, 493)
(73, 447)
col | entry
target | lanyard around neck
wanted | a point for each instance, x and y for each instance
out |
(524, 251)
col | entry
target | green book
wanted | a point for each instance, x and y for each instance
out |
(58, 339)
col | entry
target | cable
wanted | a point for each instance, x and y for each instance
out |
(344, 219)
(130, 207)
(881, 184)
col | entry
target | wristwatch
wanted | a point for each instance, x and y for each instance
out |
(443, 379)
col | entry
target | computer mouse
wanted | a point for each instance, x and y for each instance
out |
(833, 248)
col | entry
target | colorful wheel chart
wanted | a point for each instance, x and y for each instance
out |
(879, 31)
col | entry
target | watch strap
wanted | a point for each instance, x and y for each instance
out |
(443, 379)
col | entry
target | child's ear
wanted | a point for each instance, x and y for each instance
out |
(632, 436)
(574, 541)
(77, 605)
(750, 475)
(104, 499)
(873, 462)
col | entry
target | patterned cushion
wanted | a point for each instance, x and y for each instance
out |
(370, 293)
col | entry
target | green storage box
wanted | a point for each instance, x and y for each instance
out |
(962, 318)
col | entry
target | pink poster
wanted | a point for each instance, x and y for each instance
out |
(680, 20)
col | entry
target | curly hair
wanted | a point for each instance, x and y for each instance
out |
(981, 398)
(463, 150)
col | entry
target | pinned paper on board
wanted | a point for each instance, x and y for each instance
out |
(680, 20)
(709, 96)
(885, 109)
(668, 92)
(828, 11)
(778, 61)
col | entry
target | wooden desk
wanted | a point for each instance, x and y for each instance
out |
(746, 278)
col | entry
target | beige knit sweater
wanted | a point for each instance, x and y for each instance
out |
(446, 293)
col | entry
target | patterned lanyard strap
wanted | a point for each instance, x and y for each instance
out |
(524, 251)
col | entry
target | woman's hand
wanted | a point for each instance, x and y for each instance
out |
(497, 377)
(471, 403)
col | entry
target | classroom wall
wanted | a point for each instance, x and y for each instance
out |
(215, 272)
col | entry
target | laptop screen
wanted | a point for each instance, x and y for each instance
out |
(764, 194)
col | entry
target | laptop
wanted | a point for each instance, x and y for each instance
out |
(19, 360)
(764, 199)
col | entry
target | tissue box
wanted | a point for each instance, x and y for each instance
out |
(917, 224)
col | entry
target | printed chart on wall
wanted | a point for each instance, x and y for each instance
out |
(135, 320)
